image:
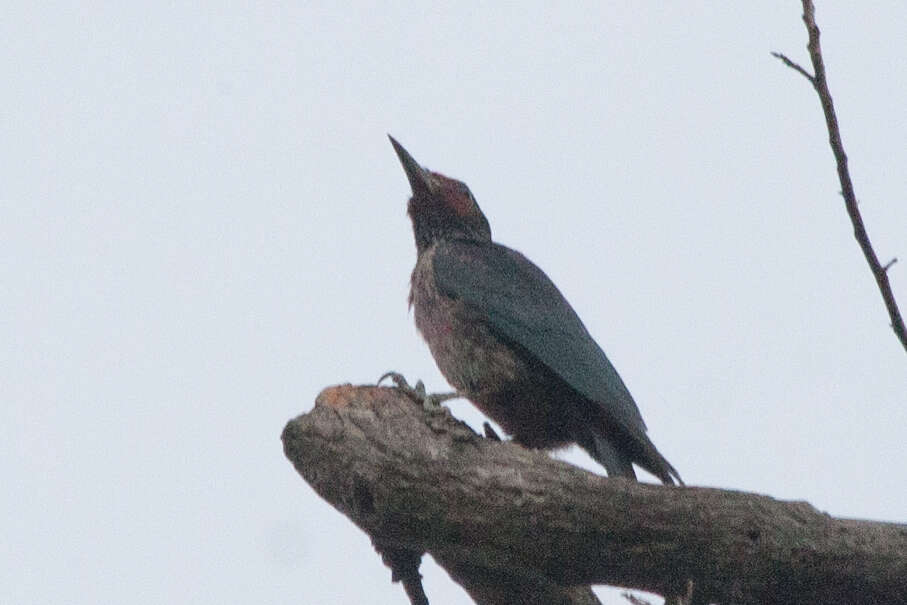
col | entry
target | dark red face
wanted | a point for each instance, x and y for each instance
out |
(453, 195)
(440, 207)
(446, 209)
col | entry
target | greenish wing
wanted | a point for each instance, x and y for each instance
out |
(524, 306)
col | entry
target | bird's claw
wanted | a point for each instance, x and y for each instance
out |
(430, 402)
(400, 382)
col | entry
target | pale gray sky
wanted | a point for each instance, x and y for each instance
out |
(202, 224)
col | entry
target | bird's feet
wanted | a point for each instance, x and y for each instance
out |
(431, 403)
(490, 433)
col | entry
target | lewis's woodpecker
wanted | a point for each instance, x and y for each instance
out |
(506, 338)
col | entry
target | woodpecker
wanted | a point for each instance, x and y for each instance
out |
(505, 337)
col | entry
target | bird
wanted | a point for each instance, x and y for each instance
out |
(506, 339)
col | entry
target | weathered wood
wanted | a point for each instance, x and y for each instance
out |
(507, 522)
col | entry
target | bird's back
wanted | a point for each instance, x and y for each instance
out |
(502, 333)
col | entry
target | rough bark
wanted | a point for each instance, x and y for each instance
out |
(515, 526)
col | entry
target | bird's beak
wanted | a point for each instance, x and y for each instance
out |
(419, 179)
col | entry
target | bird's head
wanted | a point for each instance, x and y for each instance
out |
(440, 207)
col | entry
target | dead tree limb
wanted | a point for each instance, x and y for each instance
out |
(819, 82)
(514, 526)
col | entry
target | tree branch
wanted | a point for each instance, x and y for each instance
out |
(404, 566)
(820, 83)
(515, 526)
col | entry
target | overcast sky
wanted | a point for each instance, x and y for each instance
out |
(202, 224)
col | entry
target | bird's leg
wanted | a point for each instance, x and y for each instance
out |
(490, 433)
(430, 402)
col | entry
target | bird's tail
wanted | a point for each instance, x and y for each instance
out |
(615, 462)
(652, 460)
(618, 464)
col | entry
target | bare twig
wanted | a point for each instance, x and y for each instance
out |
(795, 66)
(404, 565)
(850, 201)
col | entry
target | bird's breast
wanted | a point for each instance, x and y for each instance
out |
(471, 357)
